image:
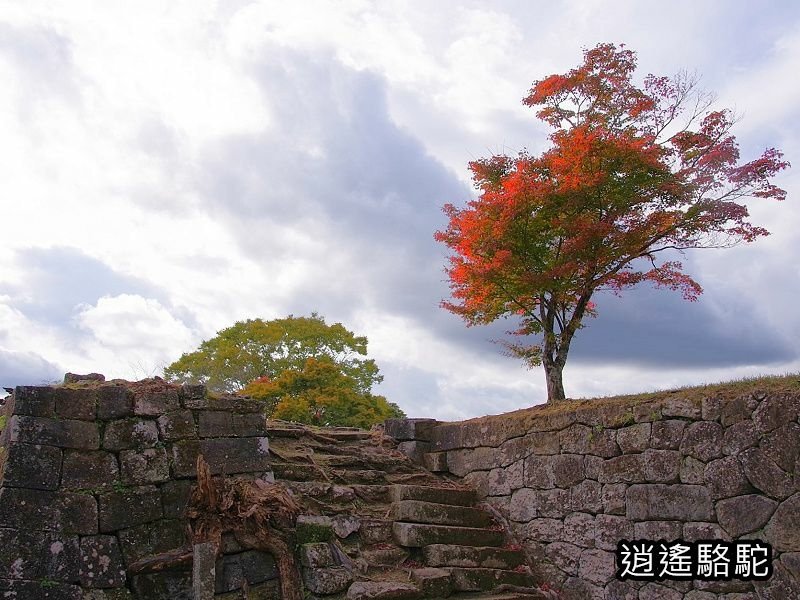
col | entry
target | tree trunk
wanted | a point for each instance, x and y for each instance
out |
(555, 385)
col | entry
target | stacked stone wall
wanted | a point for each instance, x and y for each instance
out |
(573, 482)
(94, 479)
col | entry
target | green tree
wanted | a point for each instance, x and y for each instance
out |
(321, 394)
(255, 348)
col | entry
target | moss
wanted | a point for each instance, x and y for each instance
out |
(3, 420)
(311, 533)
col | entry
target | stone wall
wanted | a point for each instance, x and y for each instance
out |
(94, 478)
(574, 480)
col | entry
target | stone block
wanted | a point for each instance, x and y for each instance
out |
(204, 574)
(783, 529)
(39, 555)
(62, 433)
(739, 437)
(224, 456)
(692, 470)
(80, 404)
(330, 580)
(169, 585)
(475, 580)
(596, 566)
(178, 425)
(150, 539)
(127, 508)
(155, 403)
(773, 412)
(414, 450)
(125, 434)
(316, 555)
(77, 513)
(140, 467)
(28, 509)
(765, 474)
(175, 496)
(523, 506)
(703, 440)
(375, 531)
(539, 472)
(101, 562)
(435, 462)
(662, 466)
(586, 496)
(34, 401)
(634, 438)
(251, 567)
(724, 478)
(610, 529)
(250, 425)
(227, 402)
(579, 530)
(687, 408)
(16, 589)
(410, 429)
(443, 495)
(89, 469)
(114, 402)
(444, 555)
(505, 480)
(628, 468)
(744, 514)
(698, 530)
(568, 469)
(613, 496)
(432, 582)
(382, 590)
(657, 530)
(597, 440)
(565, 556)
(414, 511)
(417, 535)
(667, 434)
(782, 445)
(667, 502)
(461, 462)
(215, 423)
(31, 466)
(579, 588)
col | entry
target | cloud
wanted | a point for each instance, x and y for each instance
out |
(26, 368)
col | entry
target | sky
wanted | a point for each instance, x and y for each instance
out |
(170, 168)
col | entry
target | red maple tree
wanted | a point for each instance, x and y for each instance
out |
(634, 174)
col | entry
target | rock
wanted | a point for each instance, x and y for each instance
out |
(586, 496)
(435, 462)
(783, 529)
(773, 412)
(417, 535)
(744, 514)
(635, 438)
(141, 467)
(75, 404)
(382, 590)
(688, 408)
(580, 439)
(461, 462)
(662, 466)
(765, 475)
(178, 425)
(523, 506)
(782, 445)
(94, 469)
(657, 530)
(204, 571)
(667, 434)
(692, 470)
(154, 404)
(410, 429)
(415, 450)
(610, 529)
(579, 529)
(75, 377)
(32, 466)
(126, 508)
(223, 455)
(725, 478)
(694, 531)
(130, 433)
(565, 556)
(432, 582)
(613, 495)
(101, 562)
(628, 468)
(330, 580)
(149, 539)
(504, 480)
(63, 433)
(475, 580)
(667, 502)
(441, 495)
(445, 555)
(345, 525)
(414, 511)
(543, 530)
(703, 440)
(596, 566)
(114, 402)
(739, 436)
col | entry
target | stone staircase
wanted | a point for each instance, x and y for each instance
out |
(379, 527)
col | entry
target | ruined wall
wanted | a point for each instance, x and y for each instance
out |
(94, 478)
(573, 481)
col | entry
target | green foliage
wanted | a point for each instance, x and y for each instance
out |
(313, 533)
(321, 394)
(253, 349)
(3, 420)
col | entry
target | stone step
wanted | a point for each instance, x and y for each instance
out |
(306, 472)
(437, 495)
(415, 511)
(481, 580)
(383, 590)
(444, 555)
(417, 535)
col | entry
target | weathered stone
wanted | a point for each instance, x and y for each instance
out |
(504, 480)
(592, 466)
(626, 468)
(75, 404)
(94, 469)
(739, 436)
(523, 506)
(634, 438)
(227, 402)
(479, 481)
(22, 508)
(744, 514)
(345, 525)
(580, 439)
(443, 555)
(461, 462)
(610, 529)
(154, 404)
(215, 423)
(114, 402)
(579, 530)
(736, 410)
(567, 469)
(700, 595)
(725, 478)
(613, 496)
(62, 433)
(765, 475)
(389, 556)
(204, 573)
(667, 434)
(586, 496)
(125, 434)
(791, 561)
(646, 412)
(330, 580)
(657, 530)
(101, 562)
(177, 425)
(577, 587)
(417, 535)
(688, 408)
(461, 497)
(126, 508)
(248, 568)
(34, 401)
(169, 585)
(414, 511)
(31, 466)
(150, 539)
(622, 590)
(382, 590)
(782, 445)
(703, 440)
(666, 502)
(724, 586)
(783, 529)
(16, 589)
(656, 591)
(778, 587)
(38, 555)
(410, 429)
(596, 566)
(174, 497)
(432, 582)
(694, 531)
(415, 450)
(692, 470)
(317, 555)
(140, 467)
(435, 462)
(565, 556)
(662, 466)
(77, 513)
(773, 412)
(77, 377)
(224, 456)
(538, 472)
(474, 580)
